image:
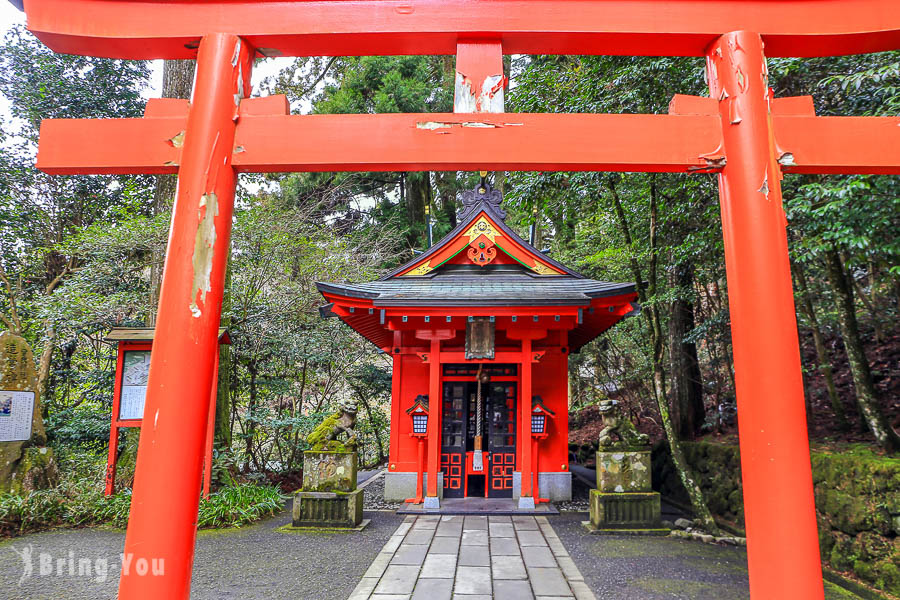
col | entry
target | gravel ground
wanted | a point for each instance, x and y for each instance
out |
(657, 568)
(373, 496)
(249, 563)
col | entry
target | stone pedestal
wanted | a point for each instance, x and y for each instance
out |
(329, 471)
(328, 509)
(329, 497)
(624, 471)
(624, 500)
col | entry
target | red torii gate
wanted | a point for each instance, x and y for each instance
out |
(741, 132)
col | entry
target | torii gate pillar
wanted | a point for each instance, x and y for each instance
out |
(170, 452)
(779, 508)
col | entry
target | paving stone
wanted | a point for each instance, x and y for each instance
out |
(569, 568)
(512, 590)
(539, 556)
(548, 582)
(398, 579)
(475, 522)
(441, 566)
(376, 569)
(424, 525)
(409, 555)
(472, 597)
(531, 538)
(557, 548)
(474, 556)
(523, 522)
(444, 545)
(364, 588)
(504, 546)
(433, 589)
(582, 591)
(393, 543)
(475, 538)
(390, 597)
(447, 528)
(420, 536)
(502, 530)
(473, 580)
(550, 597)
(499, 519)
(508, 567)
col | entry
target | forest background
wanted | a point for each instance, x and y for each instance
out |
(79, 255)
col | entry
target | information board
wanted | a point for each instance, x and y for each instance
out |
(16, 414)
(135, 370)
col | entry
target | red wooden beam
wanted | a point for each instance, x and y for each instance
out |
(511, 141)
(172, 28)
(809, 144)
(395, 142)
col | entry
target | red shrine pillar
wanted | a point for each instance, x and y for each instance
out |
(163, 520)
(526, 468)
(782, 541)
(435, 409)
(526, 497)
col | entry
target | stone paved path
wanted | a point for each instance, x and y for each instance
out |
(446, 557)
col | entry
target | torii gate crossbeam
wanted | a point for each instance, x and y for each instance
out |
(741, 132)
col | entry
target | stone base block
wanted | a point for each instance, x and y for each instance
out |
(329, 471)
(328, 509)
(661, 531)
(629, 510)
(624, 471)
(400, 486)
(556, 486)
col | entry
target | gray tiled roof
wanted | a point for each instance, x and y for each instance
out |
(508, 289)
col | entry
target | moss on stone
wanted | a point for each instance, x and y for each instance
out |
(857, 495)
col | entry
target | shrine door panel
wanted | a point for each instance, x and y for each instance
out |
(454, 409)
(500, 425)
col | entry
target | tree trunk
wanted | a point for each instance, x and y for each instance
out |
(418, 193)
(824, 359)
(178, 79)
(866, 396)
(222, 439)
(651, 314)
(687, 387)
(46, 359)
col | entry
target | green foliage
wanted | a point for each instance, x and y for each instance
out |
(239, 505)
(79, 501)
(856, 492)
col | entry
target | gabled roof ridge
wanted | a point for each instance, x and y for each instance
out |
(500, 222)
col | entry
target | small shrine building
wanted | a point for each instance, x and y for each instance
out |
(480, 327)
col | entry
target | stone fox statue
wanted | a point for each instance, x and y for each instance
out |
(615, 423)
(325, 436)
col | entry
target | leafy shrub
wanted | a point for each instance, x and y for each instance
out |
(238, 505)
(79, 500)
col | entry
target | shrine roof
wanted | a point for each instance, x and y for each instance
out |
(480, 289)
(482, 205)
(482, 262)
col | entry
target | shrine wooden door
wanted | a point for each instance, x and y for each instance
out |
(460, 426)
